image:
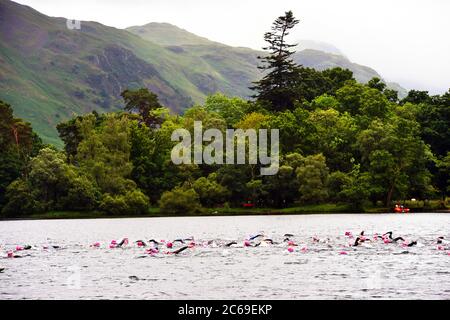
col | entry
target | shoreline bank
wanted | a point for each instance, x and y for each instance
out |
(217, 212)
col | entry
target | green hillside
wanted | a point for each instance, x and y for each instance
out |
(48, 72)
(225, 59)
(167, 34)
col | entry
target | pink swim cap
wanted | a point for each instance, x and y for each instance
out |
(10, 254)
(169, 244)
(246, 243)
(343, 252)
(151, 251)
(19, 248)
(290, 249)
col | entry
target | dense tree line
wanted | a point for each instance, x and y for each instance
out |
(340, 141)
(351, 144)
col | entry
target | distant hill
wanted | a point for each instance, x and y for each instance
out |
(180, 40)
(309, 55)
(167, 34)
(317, 45)
(48, 73)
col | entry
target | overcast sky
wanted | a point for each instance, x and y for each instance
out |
(406, 41)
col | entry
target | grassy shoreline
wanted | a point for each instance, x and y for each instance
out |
(155, 212)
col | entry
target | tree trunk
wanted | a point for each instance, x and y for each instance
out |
(389, 195)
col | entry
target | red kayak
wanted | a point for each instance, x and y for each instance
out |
(398, 209)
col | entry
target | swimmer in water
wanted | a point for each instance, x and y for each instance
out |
(179, 250)
(412, 243)
(389, 234)
(254, 237)
(266, 243)
(229, 244)
(440, 240)
(140, 243)
(357, 242)
(124, 242)
(392, 238)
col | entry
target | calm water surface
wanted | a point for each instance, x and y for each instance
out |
(374, 271)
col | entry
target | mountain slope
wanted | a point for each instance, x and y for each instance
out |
(48, 72)
(158, 33)
(180, 40)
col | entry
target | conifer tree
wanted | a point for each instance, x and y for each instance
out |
(278, 86)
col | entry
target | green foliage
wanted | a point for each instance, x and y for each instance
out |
(356, 188)
(142, 101)
(18, 143)
(332, 134)
(393, 155)
(340, 141)
(444, 171)
(376, 83)
(104, 153)
(69, 132)
(337, 182)
(10, 169)
(312, 176)
(280, 190)
(209, 191)
(416, 97)
(21, 201)
(51, 184)
(235, 178)
(114, 205)
(81, 195)
(131, 203)
(276, 86)
(230, 109)
(434, 118)
(180, 200)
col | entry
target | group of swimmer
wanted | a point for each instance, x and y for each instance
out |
(153, 247)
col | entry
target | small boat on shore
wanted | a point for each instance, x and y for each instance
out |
(401, 209)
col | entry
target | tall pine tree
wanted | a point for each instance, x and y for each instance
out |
(278, 86)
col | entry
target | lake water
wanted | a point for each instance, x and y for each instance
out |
(372, 271)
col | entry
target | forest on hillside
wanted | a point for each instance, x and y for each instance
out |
(340, 142)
